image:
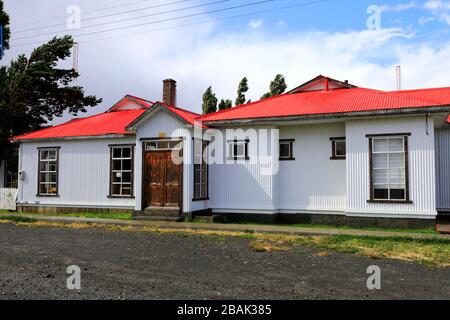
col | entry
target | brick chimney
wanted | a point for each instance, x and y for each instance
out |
(170, 92)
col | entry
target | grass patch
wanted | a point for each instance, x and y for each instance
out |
(421, 231)
(266, 246)
(425, 251)
(18, 219)
(106, 215)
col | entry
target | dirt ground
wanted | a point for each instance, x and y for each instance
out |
(127, 265)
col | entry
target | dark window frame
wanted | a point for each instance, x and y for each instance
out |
(111, 158)
(334, 156)
(405, 137)
(233, 144)
(40, 150)
(290, 157)
(204, 163)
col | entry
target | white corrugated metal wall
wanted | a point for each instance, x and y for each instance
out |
(84, 173)
(421, 167)
(312, 181)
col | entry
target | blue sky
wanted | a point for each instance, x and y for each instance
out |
(328, 37)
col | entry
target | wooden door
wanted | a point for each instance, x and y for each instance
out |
(162, 180)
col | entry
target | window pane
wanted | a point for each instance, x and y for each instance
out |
(52, 154)
(397, 194)
(380, 176)
(197, 190)
(340, 148)
(115, 190)
(239, 149)
(397, 176)
(380, 194)
(117, 164)
(126, 177)
(380, 145)
(126, 191)
(285, 150)
(117, 153)
(151, 145)
(396, 145)
(380, 160)
(396, 160)
(163, 144)
(44, 154)
(126, 153)
(126, 164)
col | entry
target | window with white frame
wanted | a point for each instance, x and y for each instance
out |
(238, 149)
(122, 174)
(48, 172)
(200, 170)
(389, 168)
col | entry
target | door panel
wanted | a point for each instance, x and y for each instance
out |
(156, 182)
(162, 180)
(173, 185)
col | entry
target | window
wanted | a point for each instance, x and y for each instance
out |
(389, 168)
(122, 174)
(48, 172)
(338, 149)
(238, 150)
(200, 170)
(163, 144)
(286, 149)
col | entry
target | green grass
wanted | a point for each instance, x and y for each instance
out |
(425, 251)
(18, 219)
(422, 231)
(118, 216)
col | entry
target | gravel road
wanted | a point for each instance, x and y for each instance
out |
(127, 265)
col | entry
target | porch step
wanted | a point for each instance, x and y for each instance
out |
(145, 217)
(162, 211)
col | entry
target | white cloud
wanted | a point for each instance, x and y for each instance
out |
(424, 20)
(255, 23)
(440, 9)
(400, 7)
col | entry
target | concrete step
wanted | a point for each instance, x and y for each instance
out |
(162, 211)
(443, 228)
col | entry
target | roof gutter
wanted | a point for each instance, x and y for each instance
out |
(334, 116)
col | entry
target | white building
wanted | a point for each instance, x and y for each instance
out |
(327, 152)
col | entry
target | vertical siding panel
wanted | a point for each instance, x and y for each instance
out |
(421, 167)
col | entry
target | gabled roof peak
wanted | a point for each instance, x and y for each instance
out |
(322, 83)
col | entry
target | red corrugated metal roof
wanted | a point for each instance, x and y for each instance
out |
(108, 123)
(324, 102)
(98, 125)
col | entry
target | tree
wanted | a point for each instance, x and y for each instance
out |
(225, 104)
(242, 89)
(34, 91)
(277, 86)
(209, 101)
(4, 22)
